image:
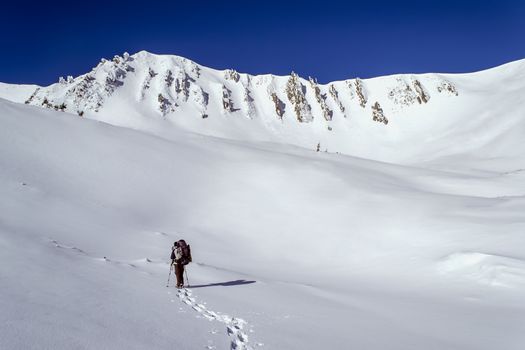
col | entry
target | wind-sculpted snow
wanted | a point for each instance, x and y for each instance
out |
(486, 268)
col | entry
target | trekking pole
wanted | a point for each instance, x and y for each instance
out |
(168, 284)
(187, 282)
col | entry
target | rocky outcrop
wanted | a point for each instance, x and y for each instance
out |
(360, 92)
(249, 103)
(182, 85)
(295, 91)
(447, 87)
(378, 114)
(232, 74)
(87, 94)
(405, 94)
(422, 95)
(147, 81)
(279, 105)
(321, 99)
(47, 104)
(201, 98)
(402, 94)
(165, 106)
(66, 81)
(169, 78)
(32, 97)
(335, 96)
(227, 102)
(194, 68)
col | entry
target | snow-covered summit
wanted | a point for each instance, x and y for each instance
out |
(386, 118)
(171, 84)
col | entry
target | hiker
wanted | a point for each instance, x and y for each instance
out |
(180, 256)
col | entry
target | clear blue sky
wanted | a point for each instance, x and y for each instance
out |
(330, 40)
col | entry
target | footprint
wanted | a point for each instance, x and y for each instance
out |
(242, 337)
(208, 317)
(234, 326)
(211, 314)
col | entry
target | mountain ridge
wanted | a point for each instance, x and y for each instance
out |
(379, 118)
(296, 87)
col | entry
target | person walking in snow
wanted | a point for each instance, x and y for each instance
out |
(176, 257)
(180, 256)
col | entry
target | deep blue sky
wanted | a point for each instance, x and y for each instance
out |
(330, 40)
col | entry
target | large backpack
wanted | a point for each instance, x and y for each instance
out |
(186, 252)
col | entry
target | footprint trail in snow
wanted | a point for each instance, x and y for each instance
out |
(234, 326)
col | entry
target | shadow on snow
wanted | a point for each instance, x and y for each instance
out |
(223, 284)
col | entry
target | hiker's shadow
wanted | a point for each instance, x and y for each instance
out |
(223, 284)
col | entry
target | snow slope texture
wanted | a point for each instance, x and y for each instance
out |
(420, 246)
(89, 211)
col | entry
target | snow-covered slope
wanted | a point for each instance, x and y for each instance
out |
(293, 249)
(400, 118)
(15, 92)
(420, 246)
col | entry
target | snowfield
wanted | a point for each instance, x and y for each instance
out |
(409, 235)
